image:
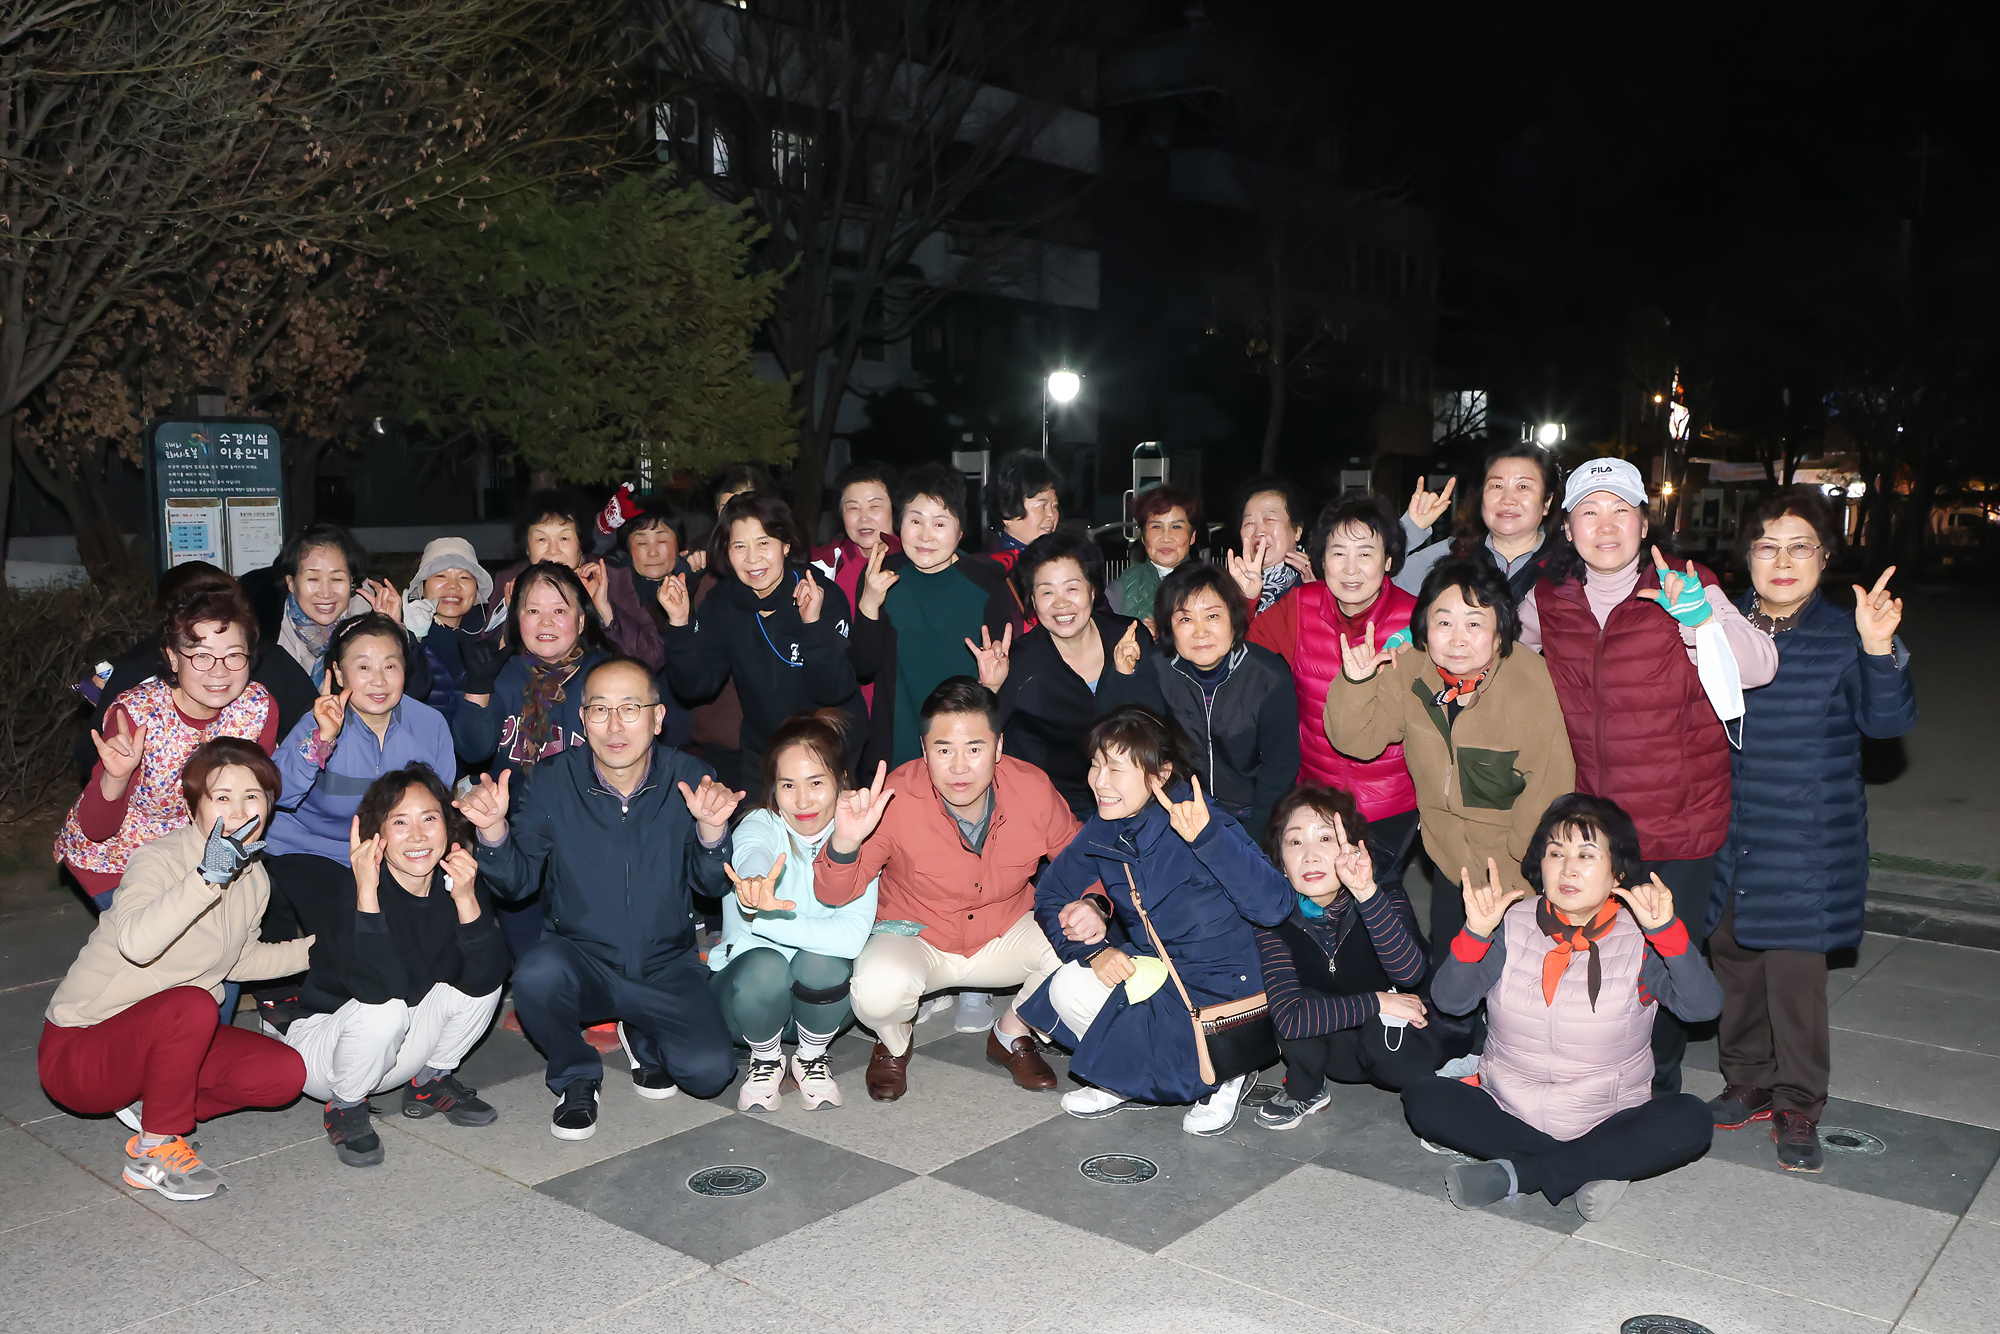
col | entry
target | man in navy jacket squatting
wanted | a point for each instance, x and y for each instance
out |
(622, 828)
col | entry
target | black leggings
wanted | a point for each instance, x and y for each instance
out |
(1358, 1056)
(1641, 1141)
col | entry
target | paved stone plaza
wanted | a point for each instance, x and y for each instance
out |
(962, 1207)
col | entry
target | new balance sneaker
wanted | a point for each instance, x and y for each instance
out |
(648, 1081)
(576, 1112)
(975, 1012)
(1088, 1102)
(352, 1137)
(1797, 1138)
(1284, 1112)
(1217, 1112)
(760, 1087)
(447, 1097)
(171, 1168)
(815, 1081)
(1738, 1105)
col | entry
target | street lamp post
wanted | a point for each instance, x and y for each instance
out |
(1061, 385)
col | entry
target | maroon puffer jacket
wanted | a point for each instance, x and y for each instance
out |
(1640, 726)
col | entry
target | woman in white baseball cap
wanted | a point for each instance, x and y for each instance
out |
(1649, 660)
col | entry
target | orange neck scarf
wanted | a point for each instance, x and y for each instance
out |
(1570, 939)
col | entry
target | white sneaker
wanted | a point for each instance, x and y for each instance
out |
(975, 1012)
(931, 1007)
(815, 1081)
(760, 1087)
(1088, 1102)
(1217, 1112)
(129, 1116)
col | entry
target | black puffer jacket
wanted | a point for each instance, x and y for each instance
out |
(1247, 740)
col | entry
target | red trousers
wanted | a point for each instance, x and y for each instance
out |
(169, 1051)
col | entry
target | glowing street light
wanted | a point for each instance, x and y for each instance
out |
(1061, 386)
(1549, 434)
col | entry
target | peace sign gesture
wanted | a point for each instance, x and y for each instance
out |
(1652, 904)
(330, 710)
(1876, 616)
(1486, 904)
(120, 754)
(859, 810)
(1360, 661)
(759, 893)
(992, 657)
(1247, 569)
(1189, 817)
(1427, 507)
(809, 597)
(1352, 864)
(673, 599)
(875, 583)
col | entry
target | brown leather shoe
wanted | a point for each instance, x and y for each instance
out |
(889, 1076)
(1023, 1062)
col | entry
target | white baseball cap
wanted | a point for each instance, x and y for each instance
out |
(1617, 476)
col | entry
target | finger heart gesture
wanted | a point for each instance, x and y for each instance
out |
(673, 598)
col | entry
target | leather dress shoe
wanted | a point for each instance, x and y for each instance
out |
(1022, 1061)
(888, 1075)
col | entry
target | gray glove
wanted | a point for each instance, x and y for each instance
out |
(227, 854)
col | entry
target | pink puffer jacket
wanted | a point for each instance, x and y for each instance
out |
(1563, 1068)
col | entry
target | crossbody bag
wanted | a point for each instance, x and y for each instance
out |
(1231, 1039)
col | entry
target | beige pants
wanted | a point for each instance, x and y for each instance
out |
(1077, 996)
(894, 973)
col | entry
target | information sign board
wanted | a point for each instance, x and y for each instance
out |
(215, 489)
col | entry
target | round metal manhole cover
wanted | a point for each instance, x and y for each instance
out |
(1260, 1094)
(725, 1181)
(1119, 1169)
(1843, 1140)
(1661, 1324)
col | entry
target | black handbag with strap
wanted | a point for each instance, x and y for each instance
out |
(1234, 1038)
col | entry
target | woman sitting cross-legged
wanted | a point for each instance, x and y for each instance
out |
(408, 978)
(1338, 969)
(785, 957)
(1185, 864)
(1565, 1103)
(132, 1029)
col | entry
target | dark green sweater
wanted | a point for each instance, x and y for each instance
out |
(934, 614)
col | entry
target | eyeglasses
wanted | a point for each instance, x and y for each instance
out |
(627, 713)
(235, 660)
(1798, 551)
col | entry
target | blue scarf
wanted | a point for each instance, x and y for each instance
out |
(316, 636)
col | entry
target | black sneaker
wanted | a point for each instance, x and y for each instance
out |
(1797, 1138)
(576, 1114)
(1284, 1112)
(352, 1137)
(650, 1081)
(460, 1105)
(1738, 1105)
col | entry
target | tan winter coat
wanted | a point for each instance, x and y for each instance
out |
(167, 927)
(1483, 784)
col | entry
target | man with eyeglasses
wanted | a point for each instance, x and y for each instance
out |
(625, 829)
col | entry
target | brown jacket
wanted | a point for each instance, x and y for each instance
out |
(965, 899)
(167, 927)
(1484, 778)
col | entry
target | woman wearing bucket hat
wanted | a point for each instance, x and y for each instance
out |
(445, 607)
(1650, 662)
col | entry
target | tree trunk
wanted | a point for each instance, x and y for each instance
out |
(6, 486)
(99, 543)
(809, 466)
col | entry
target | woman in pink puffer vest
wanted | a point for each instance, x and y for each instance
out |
(1564, 1103)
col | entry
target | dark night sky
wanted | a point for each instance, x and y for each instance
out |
(1587, 159)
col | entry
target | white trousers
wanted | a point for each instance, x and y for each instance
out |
(1077, 996)
(894, 973)
(361, 1049)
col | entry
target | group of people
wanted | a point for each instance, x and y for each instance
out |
(741, 795)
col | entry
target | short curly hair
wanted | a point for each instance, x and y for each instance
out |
(181, 626)
(1360, 512)
(386, 793)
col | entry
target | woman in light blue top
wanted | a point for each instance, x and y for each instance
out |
(785, 958)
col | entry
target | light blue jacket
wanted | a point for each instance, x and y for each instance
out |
(838, 933)
(317, 809)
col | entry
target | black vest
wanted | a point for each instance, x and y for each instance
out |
(1352, 970)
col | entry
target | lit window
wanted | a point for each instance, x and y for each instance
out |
(719, 153)
(789, 150)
